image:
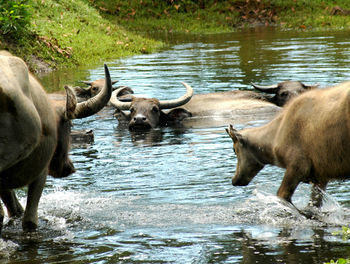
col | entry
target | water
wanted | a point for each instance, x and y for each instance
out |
(166, 196)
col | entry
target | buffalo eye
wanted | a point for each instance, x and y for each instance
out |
(155, 109)
(132, 109)
(284, 94)
(94, 88)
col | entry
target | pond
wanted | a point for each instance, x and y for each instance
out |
(165, 196)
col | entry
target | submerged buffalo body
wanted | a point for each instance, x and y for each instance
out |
(213, 109)
(34, 135)
(148, 113)
(309, 138)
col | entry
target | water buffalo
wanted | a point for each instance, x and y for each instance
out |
(213, 108)
(34, 135)
(309, 138)
(93, 88)
(283, 91)
(210, 109)
(148, 112)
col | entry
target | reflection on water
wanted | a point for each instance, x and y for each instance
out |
(165, 195)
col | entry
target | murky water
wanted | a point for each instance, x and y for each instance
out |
(166, 196)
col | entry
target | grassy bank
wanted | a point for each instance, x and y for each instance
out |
(223, 16)
(64, 33)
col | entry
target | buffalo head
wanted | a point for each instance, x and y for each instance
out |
(247, 165)
(60, 165)
(93, 88)
(284, 91)
(148, 112)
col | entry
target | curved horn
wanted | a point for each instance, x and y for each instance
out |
(311, 86)
(119, 104)
(167, 104)
(267, 89)
(94, 104)
(86, 82)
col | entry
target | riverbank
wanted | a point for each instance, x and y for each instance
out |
(88, 32)
(224, 16)
(69, 33)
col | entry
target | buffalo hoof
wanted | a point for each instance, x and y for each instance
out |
(312, 213)
(82, 136)
(29, 226)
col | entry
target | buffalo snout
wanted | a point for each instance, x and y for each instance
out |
(140, 122)
(240, 181)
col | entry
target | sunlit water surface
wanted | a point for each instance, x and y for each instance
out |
(166, 196)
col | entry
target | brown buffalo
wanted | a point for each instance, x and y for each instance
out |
(34, 135)
(93, 88)
(309, 138)
(210, 108)
(283, 91)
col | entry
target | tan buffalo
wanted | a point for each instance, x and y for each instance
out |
(34, 135)
(309, 138)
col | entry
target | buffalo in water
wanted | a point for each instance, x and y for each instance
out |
(94, 87)
(283, 91)
(309, 138)
(211, 108)
(35, 135)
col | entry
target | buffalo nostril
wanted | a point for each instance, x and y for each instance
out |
(144, 118)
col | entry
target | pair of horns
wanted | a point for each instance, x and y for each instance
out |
(274, 88)
(90, 83)
(87, 108)
(164, 104)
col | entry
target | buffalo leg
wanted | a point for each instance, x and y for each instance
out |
(288, 185)
(35, 189)
(1, 218)
(316, 195)
(9, 198)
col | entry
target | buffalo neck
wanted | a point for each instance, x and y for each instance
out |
(261, 140)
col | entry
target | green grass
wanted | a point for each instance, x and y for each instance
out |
(223, 16)
(64, 33)
(82, 34)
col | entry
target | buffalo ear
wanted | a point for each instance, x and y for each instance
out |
(178, 114)
(121, 116)
(81, 91)
(233, 133)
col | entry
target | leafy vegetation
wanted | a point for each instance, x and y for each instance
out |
(14, 17)
(339, 261)
(345, 234)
